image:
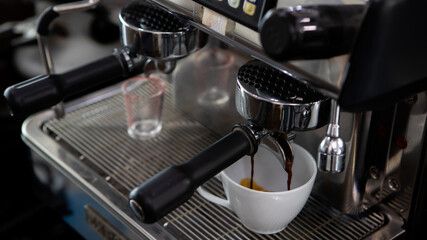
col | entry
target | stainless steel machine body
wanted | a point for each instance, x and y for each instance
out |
(367, 180)
(90, 162)
(96, 165)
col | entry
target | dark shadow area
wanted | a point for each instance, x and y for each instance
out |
(24, 211)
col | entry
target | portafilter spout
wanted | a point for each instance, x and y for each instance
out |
(279, 103)
(147, 32)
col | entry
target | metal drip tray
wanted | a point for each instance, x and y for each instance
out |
(90, 146)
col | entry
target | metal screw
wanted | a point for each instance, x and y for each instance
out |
(136, 209)
(393, 184)
(373, 171)
(364, 206)
(412, 99)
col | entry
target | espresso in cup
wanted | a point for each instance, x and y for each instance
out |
(269, 207)
(250, 183)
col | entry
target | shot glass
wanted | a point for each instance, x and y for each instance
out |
(143, 98)
(213, 67)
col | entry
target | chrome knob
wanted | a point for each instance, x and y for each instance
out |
(136, 209)
(331, 151)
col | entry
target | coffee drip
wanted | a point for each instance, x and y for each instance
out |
(251, 184)
(246, 182)
(291, 106)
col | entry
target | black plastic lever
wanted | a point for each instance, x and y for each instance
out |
(174, 185)
(44, 91)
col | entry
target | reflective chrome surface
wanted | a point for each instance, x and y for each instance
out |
(259, 103)
(325, 75)
(66, 8)
(99, 164)
(45, 54)
(157, 42)
(331, 152)
(379, 167)
(384, 148)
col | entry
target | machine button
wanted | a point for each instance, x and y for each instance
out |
(249, 7)
(234, 3)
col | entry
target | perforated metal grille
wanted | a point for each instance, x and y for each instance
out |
(98, 133)
(267, 79)
(148, 17)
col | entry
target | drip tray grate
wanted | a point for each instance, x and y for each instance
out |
(97, 132)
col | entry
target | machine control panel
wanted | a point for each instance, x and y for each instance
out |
(245, 12)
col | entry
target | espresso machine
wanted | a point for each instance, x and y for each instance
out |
(341, 78)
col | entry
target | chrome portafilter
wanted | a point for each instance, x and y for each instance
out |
(148, 32)
(331, 151)
(279, 103)
(154, 32)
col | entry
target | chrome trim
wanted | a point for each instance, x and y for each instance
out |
(325, 75)
(195, 219)
(45, 54)
(70, 164)
(275, 115)
(160, 45)
(331, 151)
(75, 6)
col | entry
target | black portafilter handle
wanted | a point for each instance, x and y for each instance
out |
(310, 32)
(44, 91)
(173, 186)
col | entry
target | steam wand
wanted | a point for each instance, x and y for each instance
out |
(331, 151)
(43, 23)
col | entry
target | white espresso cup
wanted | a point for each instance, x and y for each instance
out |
(267, 212)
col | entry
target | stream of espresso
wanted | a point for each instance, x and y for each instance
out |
(288, 169)
(252, 171)
(250, 183)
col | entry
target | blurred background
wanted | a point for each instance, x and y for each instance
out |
(27, 209)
